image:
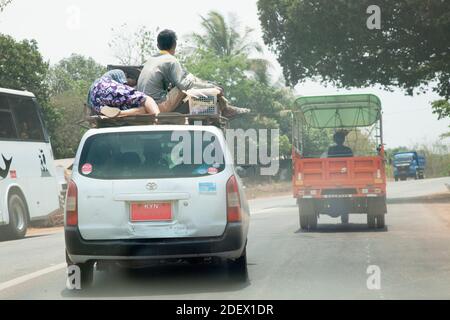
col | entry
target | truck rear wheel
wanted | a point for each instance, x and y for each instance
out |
(371, 221)
(307, 215)
(376, 210)
(380, 221)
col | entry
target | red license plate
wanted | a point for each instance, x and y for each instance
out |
(152, 211)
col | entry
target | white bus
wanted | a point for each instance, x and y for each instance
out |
(29, 190)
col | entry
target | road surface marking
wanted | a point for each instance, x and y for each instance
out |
(31, 276)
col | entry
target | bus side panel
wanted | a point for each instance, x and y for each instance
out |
(32, 170)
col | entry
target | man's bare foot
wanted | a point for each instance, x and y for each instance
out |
(231, 111)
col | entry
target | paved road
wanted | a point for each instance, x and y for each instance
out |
(412, 254)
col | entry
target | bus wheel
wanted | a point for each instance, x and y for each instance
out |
(18, 216)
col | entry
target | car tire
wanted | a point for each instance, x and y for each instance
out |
(18, 217)
(345, 218)
(381, 221)
(237, 268)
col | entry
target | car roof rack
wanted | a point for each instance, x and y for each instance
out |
(172, 118)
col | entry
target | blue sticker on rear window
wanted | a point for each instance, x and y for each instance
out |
(207, 187)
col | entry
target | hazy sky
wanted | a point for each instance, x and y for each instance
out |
(62, 27)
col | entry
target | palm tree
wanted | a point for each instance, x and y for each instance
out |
(224, 39)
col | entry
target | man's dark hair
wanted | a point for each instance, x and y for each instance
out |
(167, 39)
(339, 137)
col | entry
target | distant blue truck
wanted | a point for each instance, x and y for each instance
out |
(408, 165)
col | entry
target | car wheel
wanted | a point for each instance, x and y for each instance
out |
(87, 274)
(238, 268)
(380, 221)
(371, 221)
(345, 218)
(18, 217)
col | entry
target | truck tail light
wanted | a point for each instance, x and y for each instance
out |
(309, 192)
(72, 204)
(371, 190)
(233, 201)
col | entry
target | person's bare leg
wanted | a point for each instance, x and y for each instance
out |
(133, 112)
(174, 99)
(151, 107)
(148, 107)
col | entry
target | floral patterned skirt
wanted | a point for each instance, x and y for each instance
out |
(107, 92)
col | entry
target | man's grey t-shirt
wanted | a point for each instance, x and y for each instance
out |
(162, 72)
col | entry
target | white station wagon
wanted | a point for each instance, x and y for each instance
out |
(145, 193)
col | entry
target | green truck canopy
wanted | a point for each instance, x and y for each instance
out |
(340, 111)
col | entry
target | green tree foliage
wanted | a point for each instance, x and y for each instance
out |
(69, 81)
(329, 39)
(75, 73)
(3, 4)
(22, 67)
(132, 48)
(223, 37)
(69, 105)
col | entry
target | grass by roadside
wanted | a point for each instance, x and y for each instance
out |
(254, 191)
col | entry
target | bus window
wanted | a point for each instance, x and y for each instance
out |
(27, 119)
(7, 129)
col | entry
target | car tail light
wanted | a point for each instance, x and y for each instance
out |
(72, 204)
(233, 201)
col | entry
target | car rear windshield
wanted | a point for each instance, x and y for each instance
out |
(144, 155)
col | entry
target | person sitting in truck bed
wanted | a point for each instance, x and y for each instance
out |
(112, 95)
(339, 150)
(165, 80)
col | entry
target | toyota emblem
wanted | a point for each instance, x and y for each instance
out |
(152, 186)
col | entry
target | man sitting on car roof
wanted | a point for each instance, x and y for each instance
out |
(166, 81)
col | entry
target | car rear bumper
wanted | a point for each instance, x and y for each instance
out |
(230, 245)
